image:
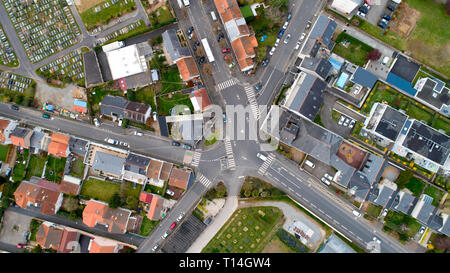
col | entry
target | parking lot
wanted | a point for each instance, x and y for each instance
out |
(7, 55)
(378, 9)
(320, 168)
(14, 227)
(185, 235)
(44, 27)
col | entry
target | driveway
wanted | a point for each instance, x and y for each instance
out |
(14, 227)
(329, 101)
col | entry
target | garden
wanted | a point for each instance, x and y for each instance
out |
(98, 189)
(147, 225)
(54, 170)
(36, 165)
(435, 193)
(4, 152)
(352, 49)
(401, 225)
(255, 187)
(247, 230)
(20, 166)
(77, 167)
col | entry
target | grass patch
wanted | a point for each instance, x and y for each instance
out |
(356, 52)
(419, 113)
(55, 168)
(161, 16)
(19, 170)
(77, 167)
(246, 231)
(93, 19)
(4, 152)
(401, 224)
(335, 115)
(255, 187)
(166, 104)
(374, 210)
(147, 226)
(36, 165)
(415, 186)
(98, 189)
(389, 37)
(246, 12)
(34, 227)
(171, 80)
(144, 95)
(435, 193)
(154, 189)
(442, 123)
(210, 142)
(318, 120)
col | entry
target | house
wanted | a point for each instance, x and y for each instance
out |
(153, 173)
(404, 202)
(92, 69)
(323, 31)
(49, 235)
(39, 193)
(70, 185)
(402, 73)
(423, 210)
(434, 93)
(181, 178)
(180, 55)
(306, 95)
(384, 193)
(334, 244)
(103, 245)
(146, 197)
(166, 169)
(78, 146)
(346, 7)
(21, 137)
(242, 41)
(59, 145)
(319, 67)
(156, 207)
(97, 212)
(69, 240)
(6, 128)
(200, 99)
(119, 108)
(364, 78)
(108, 164)
(135, 168)
(38, 141)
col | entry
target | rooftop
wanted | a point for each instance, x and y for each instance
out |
(92, 69)
(434, 92)
(173, 45)
(125, 61)
(323, 29)
(108, 163)
(391, 122)
(404, 68)
(364, 78)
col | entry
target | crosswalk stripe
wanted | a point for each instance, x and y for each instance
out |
(196, 159)
(205, 181)
(226, 84)
(252, 100)
(263, 169)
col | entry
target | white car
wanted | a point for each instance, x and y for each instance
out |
(302, 37)
(285, 25)
(165, 235)
(361, 14)
(329, 177)
(422, 230)
(180, 217)
(96, 122)
(277, 42)
(346, 122)
(169, 192)
(155, 248)
(341, 120)
(357, 90)
(286, 40)
(352, 123)
(297, 46)
(125, 144)
(272, 51)
(377, 240)
(136, 133)
(325, 181)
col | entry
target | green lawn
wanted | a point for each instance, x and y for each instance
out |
(147, 226)
(246, 12)
(77, 167)
(442, 182)
(415, 186)
(356, 52)
(4, 152)
(171, 80)
(374, 210)
(154, 189)
(405, 226)
(161, 16)
(389, 37)
(98, 189)
(442, 123)
(245, 231)
(335, 115)
(92, 19)
(435, 193)
(381, 92)
(55, 168)
(19, 170)
(165, 103)
(36, 165)
(419, 113)
(145, 95)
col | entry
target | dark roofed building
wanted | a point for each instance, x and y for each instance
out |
(113, 106)
(404, 68)
(78, 146)
(359, 186)
(306, 96)
(427, 142)
(391, 122)
(364, 78)
(172, 46)
(384, 195)
(323, 30)
(435, 93)
(320, 67)
(404, 202)
(92, 69)
(423, 211)
(311, 47)
(137, 112)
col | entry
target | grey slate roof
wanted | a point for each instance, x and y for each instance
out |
(108, 163)
(36, 139)
(20, 132)
(360, 185)
(113, 105)
(77, 146)
(435, 93)
(324, 29)
(445, 229)
(428, 142)
(373, 167)
(320, 66)
(405, 202)
(136, 163)
(92, 69)
(384, 195)
(311, 47)
(426, 212)
(192, 131)
(404, 68)
(364, 78)
(334, 244)
(173, 45)
(391, 123)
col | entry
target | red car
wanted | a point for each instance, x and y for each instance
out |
(226, 50)
(21, 246)
(172, 226)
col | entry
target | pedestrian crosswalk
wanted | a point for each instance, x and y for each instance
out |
(226, 84)
(230, 156)
(205, 181)
(196, 159)
(263, 169)
(252, 101)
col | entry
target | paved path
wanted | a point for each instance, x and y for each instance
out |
(225, 213)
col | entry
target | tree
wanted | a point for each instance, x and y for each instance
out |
(71, 204)
(279, 3)
(114, 202)
(404, 178)
(374, 55)
(441, 242)
(37, 249)
(132, 202)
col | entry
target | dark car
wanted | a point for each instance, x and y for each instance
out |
(382, 23)
(220, 37)
(197, 43)
(187, 147)
(265, 62)
(189, 31)
(15, 107)
(391, 8)
(47, 116)
(363, 9)
(289, 16)
(201, 60)
(194, 47)
(308, 24)
(280, 34)
(177, 144)
(385, 16)
(224, 118)
(258, 86)
(226, 50)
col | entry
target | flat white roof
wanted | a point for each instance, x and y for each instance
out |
(125, 61)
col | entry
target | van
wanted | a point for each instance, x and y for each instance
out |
(356, 213)
(310, 164)
(213, 15)
(385, 60)
(186, 3)
(261, 156)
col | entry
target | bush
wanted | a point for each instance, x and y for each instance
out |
(255, 193)
(247, 193)
(114, 202)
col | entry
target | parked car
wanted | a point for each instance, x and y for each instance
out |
(190, 30)
(385, 60)
(194, 47)
(308, 24)
(172, 226)
(329, 177)
(280, 34)
(96, 122)
(258, 86)
(47, 116)
(387, 17)
(277, 42)
(383, 23)
(422, 230)
(346, 122)
(187, 147)
(226, 50)
(136, 133)
(285, 25)
(15, 107)
(352, 123)
(391, 8)
(289, 16)
(111, 141)
(224, 117)
(341, 120)
(265, 62)
(169, 192)
(220, 36)
(376, 240)
(201, 60)
(180, 217)
(325, 181)
(297, 46)
(286, 40)
(272, 51)
(175, 143)
(361, 14)
(155, 247)
(21, 245)
(363, 9)
(302, 37)
(197, 43)
(164, 236)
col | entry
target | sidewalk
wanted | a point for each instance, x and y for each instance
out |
(225, 213)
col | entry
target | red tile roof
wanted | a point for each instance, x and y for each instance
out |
(187, 68)
(202, 98)
(59, 145)
(97, 212)
(156, 206)
(179, 178)
(146, 197)
(28, 192)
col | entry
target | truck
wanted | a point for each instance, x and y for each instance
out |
(186, 3)
(310, 164)
(207, 50)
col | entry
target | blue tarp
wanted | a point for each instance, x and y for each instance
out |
(335, 63)
(401, 84)
(80, 103)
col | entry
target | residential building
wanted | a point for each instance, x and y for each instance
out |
(154, 171)
(188, 68)
(21, 137)
(137, 112)
(319, 67)
(103, 245)
(92, 72)
(6, 128)
(423, 210)
(135, 168)
(242, 41)
(119, 108)
(323, 31)
(59, 145)
(39, 193)
(107, 160)
(38, 141)
(69, 241)
(156, 207)
(49, 235)
(97, 212)
(78, 146)
(181, 178)
(346, 7)
(404, 202)
(146, 197)
(200, 99)
(70, 185)
(434, 93)
(402, 73)
(364, 78)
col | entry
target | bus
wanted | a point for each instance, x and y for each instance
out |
(207, 50)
